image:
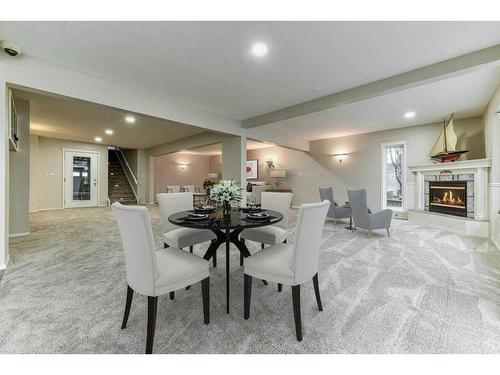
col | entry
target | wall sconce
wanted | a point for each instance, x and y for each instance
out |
(270, 162)
(183, 165)
(340, 157)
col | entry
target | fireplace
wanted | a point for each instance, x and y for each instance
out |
(448, 197)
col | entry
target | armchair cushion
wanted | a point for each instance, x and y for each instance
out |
(274, 263)
(381, 219)
(269, 235)
(183, 237)
(178, 269)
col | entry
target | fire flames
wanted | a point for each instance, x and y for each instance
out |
(449, 198)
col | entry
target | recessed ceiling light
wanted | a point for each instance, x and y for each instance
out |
(409, 114)
(98, 139)
(130, 119)
(259, 49)
(108, 131)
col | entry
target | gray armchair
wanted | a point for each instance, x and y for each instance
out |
(365, 220)
(335, 211)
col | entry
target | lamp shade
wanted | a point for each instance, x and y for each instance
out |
(213, 175)
(278, 173)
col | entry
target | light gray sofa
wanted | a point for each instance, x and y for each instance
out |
(363, 218)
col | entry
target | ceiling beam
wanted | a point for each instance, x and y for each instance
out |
(431, 73)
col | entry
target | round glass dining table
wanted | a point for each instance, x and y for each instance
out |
(227, 228)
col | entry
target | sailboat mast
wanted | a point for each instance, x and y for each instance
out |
(445, 142)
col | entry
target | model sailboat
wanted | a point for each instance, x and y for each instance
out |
(445, 149)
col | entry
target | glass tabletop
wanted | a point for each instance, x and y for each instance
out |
(217, 221)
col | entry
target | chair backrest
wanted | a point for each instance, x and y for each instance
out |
(173, 189)
(170, 203)
(359, 207)
(307, 244)
(188, 188)
(327, 194)
(139, 247)
(280, 202)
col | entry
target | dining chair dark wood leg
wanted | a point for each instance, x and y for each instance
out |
(262, 246)
(205, 295)
(241, 254)
(247, 294)
(150, 337)
(128, 303)
(280, 287)
(227, 275)
(172, 295)
(191, 249)
(296, 311)
(316, 291)
(214, 260)
(165, 245)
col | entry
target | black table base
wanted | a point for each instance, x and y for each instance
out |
(228, 237)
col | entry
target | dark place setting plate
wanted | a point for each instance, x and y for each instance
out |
(196, 217)
(258, 216)
(204, 209)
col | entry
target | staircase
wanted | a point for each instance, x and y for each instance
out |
(119, 189)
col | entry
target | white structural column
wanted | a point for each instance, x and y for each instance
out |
(420, 191)
(4, 179)
(234, 156)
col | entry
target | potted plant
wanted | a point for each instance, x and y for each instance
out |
(208, 183)
(225, 192)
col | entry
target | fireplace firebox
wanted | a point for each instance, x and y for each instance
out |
(448, 197)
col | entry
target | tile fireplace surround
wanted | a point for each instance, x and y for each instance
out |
(476, 175)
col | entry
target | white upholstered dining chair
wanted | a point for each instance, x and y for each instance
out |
(271, 234)
(153, 272)
(176, 236)
(188, 188)
(291, 265)
(173, 189)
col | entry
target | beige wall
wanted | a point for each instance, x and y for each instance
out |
(308, 171)
(49, 171)
(19, 173)
(168, 171)
(132, 158)
(215, 164)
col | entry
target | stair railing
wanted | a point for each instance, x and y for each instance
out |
(129, 173)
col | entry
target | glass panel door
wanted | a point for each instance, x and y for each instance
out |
(393, 159)
(80, 179)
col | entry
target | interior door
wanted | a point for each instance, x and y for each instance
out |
(80, 179)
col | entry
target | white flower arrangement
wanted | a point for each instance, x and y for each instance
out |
(225, 191)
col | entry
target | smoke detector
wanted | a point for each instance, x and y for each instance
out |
(10, 48)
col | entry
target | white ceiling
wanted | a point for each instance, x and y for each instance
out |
(466, 96)
(207, 64)
(77, 120)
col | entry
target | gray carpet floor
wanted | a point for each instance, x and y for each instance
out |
(423, 290)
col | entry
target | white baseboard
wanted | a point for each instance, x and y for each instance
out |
(33, 211)
(19, 234)
(296, 207)
(50, 209)
(4, 266)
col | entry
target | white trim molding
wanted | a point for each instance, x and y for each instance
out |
(19, 234)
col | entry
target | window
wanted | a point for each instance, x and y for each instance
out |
(393, 167)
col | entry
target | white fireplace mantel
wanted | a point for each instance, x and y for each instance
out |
(453, 166)
(478, 167)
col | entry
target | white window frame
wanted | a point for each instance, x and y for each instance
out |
(383, 185)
